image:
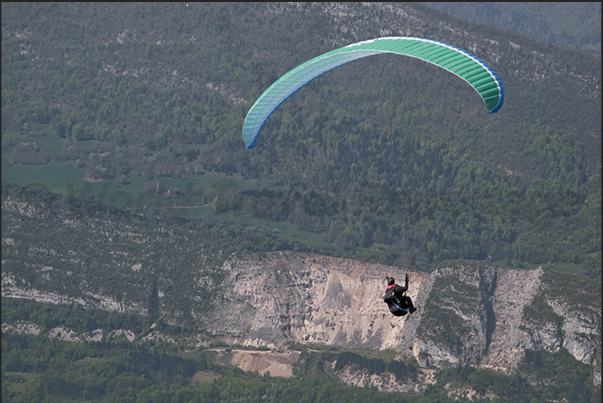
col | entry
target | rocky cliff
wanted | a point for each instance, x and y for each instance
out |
(469, 313)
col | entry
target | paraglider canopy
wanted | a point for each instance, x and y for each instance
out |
(459, 62)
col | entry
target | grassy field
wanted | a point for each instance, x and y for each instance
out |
(18, 382)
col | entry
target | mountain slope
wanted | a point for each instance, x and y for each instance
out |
(576, 25)
(162, 90)
(470, 313)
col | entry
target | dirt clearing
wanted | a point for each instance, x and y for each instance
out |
(277, 363)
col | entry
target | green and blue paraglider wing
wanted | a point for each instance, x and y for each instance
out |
(459, 62)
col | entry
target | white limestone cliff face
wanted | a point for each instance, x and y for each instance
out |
(311, 299)
(579, 330)
(467, 315)
(514, 290)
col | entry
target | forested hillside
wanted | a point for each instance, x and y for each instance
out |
(127, 190)
(389, 155)
(575, 25)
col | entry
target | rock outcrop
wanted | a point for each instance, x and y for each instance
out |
(468, 314)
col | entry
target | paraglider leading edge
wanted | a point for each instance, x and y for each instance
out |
(455, 60)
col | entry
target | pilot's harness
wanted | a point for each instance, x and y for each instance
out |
(394, 299)
(396, 302)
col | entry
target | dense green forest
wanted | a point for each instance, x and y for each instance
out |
(35, 368)
(136, 95)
